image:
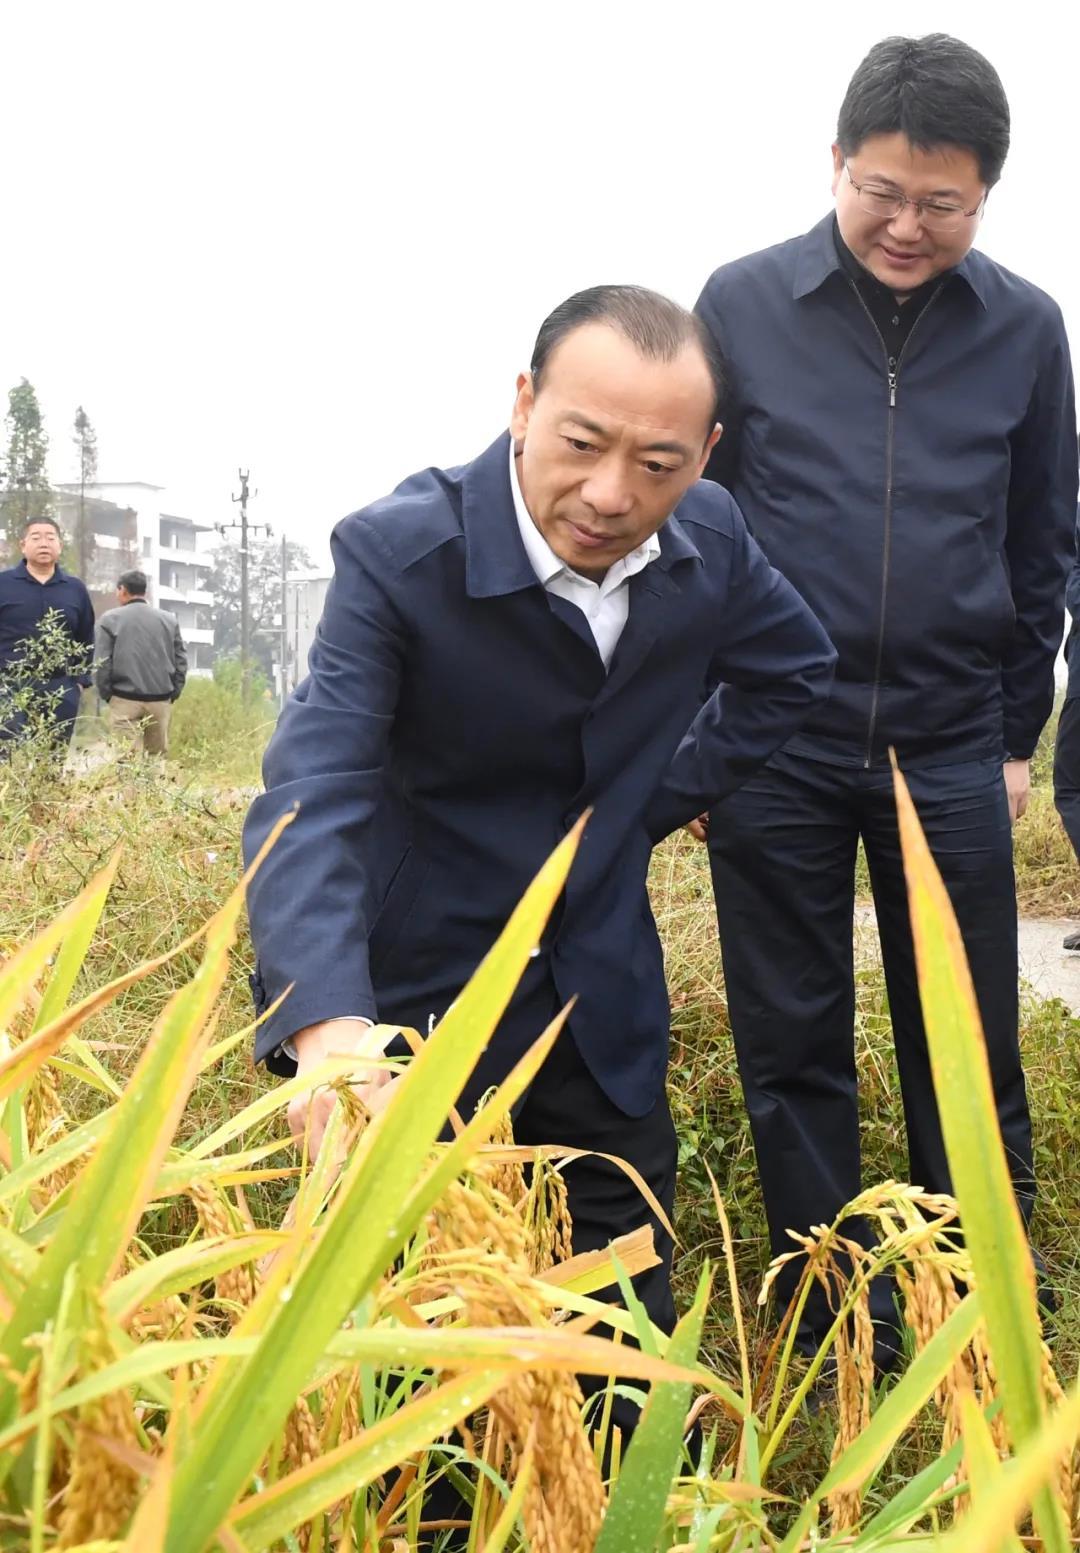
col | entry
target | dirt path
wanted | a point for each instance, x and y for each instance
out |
(1047, 968)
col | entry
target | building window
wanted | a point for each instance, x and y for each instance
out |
(147, 544)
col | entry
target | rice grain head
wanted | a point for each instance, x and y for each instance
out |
(101, 1491)
(235, 1288)
(481, 1240)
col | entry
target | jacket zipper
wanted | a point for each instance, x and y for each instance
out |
(892, 378)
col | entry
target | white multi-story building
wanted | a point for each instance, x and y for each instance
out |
(133, 528)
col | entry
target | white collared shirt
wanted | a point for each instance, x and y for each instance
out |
(606, 604)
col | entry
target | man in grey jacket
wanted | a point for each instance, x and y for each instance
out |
(141, 666)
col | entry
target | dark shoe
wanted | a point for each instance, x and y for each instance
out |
(1071, 940)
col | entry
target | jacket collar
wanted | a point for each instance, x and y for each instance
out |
(495, 559)
(496, 562)
(58, 574)
(816, 259)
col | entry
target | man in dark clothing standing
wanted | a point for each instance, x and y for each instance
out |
(506, 645)
(141, 666)
(1067, 743)
(30, 593)
(905, 452)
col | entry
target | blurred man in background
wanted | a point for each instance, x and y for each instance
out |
(141, 666)
(35, 595)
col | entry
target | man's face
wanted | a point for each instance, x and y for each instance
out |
(610, 444)
(41, 545)
(902, 251)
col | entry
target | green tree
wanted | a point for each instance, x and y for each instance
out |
(264, 598)
(85, 440)
(26, 492)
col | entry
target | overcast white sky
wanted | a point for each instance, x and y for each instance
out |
(317, 239)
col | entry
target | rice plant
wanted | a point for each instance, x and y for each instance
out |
(415, 1318)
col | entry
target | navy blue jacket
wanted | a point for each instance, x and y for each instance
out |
(928, 521)
(24, 602)
(455, 722)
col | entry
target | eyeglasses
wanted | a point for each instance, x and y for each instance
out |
(934, 215)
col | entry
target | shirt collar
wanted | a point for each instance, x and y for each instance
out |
(867, 281)
(58, 574)
(816, 259)
(547, 565)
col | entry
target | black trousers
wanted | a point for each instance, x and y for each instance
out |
(783, 853)
(1067, 770)
(567, 1106)
(61, 718)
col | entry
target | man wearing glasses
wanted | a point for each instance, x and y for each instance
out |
(904, 450)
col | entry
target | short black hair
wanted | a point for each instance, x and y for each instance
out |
(659, 328)
(30, 522)
(133, 582)
(937, 92)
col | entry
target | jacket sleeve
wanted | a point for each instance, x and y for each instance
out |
(723, 462)
(310, 904)
(104, 642)
(179, 663)
(85, 637)
(1039, 545)
(773, 662)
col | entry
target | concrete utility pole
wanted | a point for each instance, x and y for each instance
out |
(245, 529)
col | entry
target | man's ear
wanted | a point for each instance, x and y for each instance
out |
(713, 438)
(837, 167)
(523, 405)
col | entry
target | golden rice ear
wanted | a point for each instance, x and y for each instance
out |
(236, 1286)
(486, 1246)
(103, 1486)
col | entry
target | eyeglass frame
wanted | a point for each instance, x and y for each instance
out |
(905, 201)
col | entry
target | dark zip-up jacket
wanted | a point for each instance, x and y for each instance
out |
(24, 603)
(925, 511)
(140, 654)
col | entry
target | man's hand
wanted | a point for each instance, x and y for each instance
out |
(1018, 787)
(336, 1037)
(699, 828)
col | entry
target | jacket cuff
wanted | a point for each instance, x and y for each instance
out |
(1018, 748)
(288, 1048)
(309, 1006)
